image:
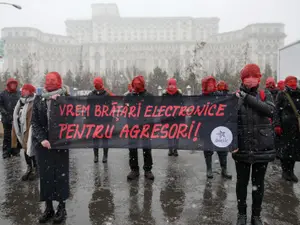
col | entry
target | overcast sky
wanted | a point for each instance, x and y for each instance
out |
(49, 15)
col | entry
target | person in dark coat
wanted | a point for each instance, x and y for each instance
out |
(222, 87)
(8, 100)
(100, 91)
(271, 87)
(255, 142)
(172, 92)
(280, 85)
(53, 164)
(22, 130)
(287, 127)
(138, 93)
(209, 88)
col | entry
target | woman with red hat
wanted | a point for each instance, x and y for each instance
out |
(22, 131)
(209, 88)
(287, 127)
(138, 93)
(100, 92)
(172, 92)
(53, 164)
(8, 100)
(271, 87)
(255, 142)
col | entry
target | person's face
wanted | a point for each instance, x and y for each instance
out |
(13, 86)
(25, 93)
(51, 82)
(210, 86)
(251, 82)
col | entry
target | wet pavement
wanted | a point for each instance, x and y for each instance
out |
(179, 195)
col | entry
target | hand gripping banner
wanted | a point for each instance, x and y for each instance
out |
(206, 123)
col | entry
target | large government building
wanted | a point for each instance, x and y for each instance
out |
(109, 42)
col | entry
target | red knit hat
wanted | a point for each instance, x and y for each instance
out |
(289, 78)
(250, 70)
(29, 88)
(98, 83)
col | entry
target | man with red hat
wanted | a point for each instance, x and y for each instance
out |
(209, 88)
(172, 92)
(22, 131)
(255, 142)
(287, 127)
(222, 87)
(100, 92)
(281, 85)
(138, 93)
(8, 100)
(271, 87)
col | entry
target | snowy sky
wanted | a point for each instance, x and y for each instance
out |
(49, 15)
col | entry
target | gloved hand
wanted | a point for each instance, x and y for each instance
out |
(278, 130)
(240, 94)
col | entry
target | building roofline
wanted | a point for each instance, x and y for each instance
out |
(36, 29)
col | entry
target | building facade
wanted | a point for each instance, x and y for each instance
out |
(109, 42)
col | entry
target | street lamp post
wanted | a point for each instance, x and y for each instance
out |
(14, 5)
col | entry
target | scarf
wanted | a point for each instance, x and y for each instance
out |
(48, 94)
(20, 117)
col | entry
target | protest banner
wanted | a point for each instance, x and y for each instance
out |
(207, 123)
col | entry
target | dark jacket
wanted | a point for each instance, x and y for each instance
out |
(255, 131)
(8, 101)
(53, 163)
(175, 99)
(102, 98)
(273, 92)
(286, 119)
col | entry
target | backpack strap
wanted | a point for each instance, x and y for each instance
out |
(293, 107)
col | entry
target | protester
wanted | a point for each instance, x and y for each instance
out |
(209, 88)
(281, 85)
(287, 126)
(271, 87)
(8, 100)
(22, 131)
(139, 92)
(174, 92)
(100, 92)
(53, 163)
(222, 87)
(255, 142)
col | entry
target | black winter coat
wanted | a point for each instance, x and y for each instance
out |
(8, 101)
(54, 163)
(285, 118)
(175, 99)
(102, 96)
(255, 130)
(274, 93)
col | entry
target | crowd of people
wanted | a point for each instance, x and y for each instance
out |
(268, 128)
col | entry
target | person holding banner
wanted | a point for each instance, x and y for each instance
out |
(53, 163)
(22, 131)
(209, 87)
(100, 92)
(139, 92)
(172, 92)
(287, 127)
(255, 142)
